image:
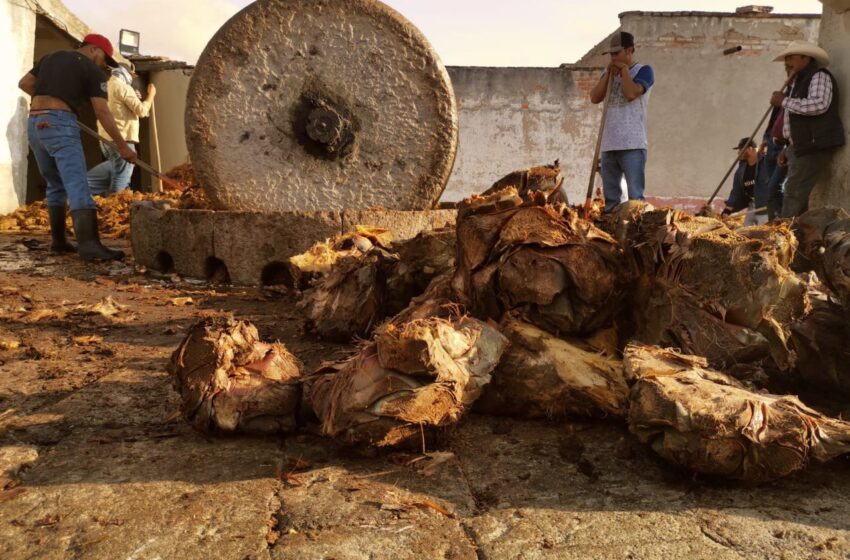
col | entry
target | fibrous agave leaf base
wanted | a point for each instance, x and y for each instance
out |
(418, 376)
(231, 382)
(543, 376)
(711, 423)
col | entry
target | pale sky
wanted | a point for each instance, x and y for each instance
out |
(464, 32)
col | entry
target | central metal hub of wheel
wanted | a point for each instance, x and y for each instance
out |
(325, 129)
(325, 126)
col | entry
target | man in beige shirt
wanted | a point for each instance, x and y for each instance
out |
(126, 105)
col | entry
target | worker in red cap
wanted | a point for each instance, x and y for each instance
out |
(60, 83)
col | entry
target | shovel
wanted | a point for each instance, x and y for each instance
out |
(161, 176)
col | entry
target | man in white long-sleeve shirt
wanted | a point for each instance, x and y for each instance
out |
(113, 175)
(812, 123)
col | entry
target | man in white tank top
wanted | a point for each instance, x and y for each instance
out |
(624, 141)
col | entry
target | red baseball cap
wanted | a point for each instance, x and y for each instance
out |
(103, 44)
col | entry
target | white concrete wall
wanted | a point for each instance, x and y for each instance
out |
(17, 30)
(514, 118)
(834, 189)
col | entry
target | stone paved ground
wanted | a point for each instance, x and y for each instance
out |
(95, 463)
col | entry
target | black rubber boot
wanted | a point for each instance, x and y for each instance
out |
(88, 240)
(57, 231)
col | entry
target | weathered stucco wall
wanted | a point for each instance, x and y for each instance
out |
(703, 102)
(513, 118)
(834, 189)
(171, 86)
(17, 29)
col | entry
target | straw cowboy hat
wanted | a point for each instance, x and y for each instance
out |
(808, 49)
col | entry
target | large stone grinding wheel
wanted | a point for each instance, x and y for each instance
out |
(321, 105)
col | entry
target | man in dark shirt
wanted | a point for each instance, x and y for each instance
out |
(60, 83)
(749, 186)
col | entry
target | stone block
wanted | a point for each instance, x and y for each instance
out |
(145, 235)
(172, 240)
(253, 247)
(187, 236)
(256, 245)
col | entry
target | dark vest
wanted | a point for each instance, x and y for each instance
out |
(811, 134)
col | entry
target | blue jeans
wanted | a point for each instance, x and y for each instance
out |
(112, 175)
(775, 183)
(54, 138)
(616, 164)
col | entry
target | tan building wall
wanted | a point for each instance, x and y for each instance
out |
(703, 102)
(834, 189)
(170, 108)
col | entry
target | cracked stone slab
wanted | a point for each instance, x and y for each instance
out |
(613, 499)
(125, 400)
(350, 507)
(186, 236)
(537, 534)
(177, 498)
(122, 398)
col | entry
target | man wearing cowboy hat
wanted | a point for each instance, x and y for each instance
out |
(113, 175)
(60, 83)
(811, 122)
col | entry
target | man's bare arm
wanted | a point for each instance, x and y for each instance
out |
(597, 94)
(27, 84)
(631, 89)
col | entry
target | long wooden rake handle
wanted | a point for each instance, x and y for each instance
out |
(588, 201)
(147, 167)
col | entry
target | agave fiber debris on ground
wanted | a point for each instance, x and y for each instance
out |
(546, 179)
(726, 295)
(359, 290)
(523, 254)
(821, 343)
(349, 301)
(320, 259)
